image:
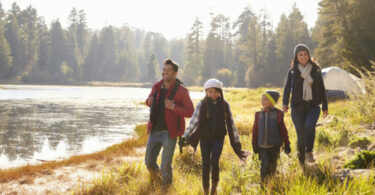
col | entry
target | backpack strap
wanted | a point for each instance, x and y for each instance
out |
(174, 90)
(171, 96)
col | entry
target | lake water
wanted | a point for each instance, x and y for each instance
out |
(55, 122)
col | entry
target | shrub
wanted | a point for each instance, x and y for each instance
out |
(363, 160)
(362, 142)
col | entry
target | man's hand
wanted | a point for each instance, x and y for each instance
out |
(169, 104)
(149, 101)
(325, 113)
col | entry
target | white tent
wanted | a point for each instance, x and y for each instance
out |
(337, 79)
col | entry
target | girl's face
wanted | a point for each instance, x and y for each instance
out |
(266, 103)
(212, 93)
(303, 57)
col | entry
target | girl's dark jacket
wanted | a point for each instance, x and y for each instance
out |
(193, 131)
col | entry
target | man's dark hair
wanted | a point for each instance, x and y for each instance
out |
(171, 62)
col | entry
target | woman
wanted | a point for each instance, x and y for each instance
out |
(211, 121)
(306, 85)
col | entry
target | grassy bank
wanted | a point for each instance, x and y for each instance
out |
(332, 147)
(125, 148)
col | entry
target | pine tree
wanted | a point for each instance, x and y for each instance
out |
(152, 68)
(5, 51)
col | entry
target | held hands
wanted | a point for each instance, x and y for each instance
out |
(169, 104)
(285, 108)
(183, 142)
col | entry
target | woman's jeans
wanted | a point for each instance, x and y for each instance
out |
(305, 119)
(211, 151)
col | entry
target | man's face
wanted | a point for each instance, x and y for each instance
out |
(168, 73)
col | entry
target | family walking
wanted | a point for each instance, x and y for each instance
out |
(212, 120)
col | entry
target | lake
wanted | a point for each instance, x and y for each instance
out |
(39, 123)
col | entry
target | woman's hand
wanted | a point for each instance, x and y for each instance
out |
(285, 108)
(325, 113)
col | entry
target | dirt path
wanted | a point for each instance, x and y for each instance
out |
(66, 178)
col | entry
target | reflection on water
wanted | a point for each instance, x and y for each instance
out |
(49, 122)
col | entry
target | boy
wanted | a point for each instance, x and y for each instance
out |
(269, 132)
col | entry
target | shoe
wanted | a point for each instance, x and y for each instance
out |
(309, 157)
(206, 191)
(213, 188)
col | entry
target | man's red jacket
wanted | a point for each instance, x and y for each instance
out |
(183, 108)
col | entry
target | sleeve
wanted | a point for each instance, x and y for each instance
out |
(233, 135)
(186, 109)
(283, 130)
(287, 89)
(323, 91)
(255, 130)
(193, 124)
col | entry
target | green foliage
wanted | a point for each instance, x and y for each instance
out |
(225, 75)
(324, 138)
(362, 142)
(345, 33)
(363, 160)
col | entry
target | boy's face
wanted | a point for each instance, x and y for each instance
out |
(212, 93)
(266, 103)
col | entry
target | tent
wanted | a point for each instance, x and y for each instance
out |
(339, 83)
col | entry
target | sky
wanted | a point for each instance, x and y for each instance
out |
(172, 18)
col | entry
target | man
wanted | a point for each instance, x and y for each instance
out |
(166, 121)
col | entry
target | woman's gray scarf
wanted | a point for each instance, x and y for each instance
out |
(308, 81)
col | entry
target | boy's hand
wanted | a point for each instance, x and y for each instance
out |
(285, 108)
(287, 149)
(255, 148)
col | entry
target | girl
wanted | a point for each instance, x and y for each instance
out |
(306, 85)
(211, 121)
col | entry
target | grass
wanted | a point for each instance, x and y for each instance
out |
(347, 119)
(125, 148)
(331, 149)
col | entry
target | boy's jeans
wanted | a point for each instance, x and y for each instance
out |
(211, 152)
(268, 161)
(156, 140)
(304, 122)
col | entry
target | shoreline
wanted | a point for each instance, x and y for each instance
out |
(127, 148)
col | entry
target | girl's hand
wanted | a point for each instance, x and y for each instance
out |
(285, 108)
(325, 113)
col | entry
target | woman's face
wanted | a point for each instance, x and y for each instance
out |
(303, 57)
(212, 93)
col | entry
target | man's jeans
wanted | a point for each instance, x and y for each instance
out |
(304, 122)
(211, 151)
(156, 140)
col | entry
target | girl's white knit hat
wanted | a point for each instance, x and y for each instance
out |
(213, 83)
